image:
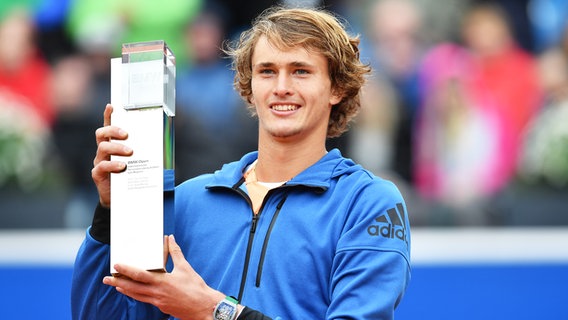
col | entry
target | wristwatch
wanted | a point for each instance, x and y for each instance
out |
(226, 309)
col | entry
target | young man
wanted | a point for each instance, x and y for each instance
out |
(292, 231)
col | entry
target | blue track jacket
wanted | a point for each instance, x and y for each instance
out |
(331, 243)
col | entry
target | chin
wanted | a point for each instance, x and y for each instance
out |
(284, 133)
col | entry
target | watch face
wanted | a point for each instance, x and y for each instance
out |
(224, 311)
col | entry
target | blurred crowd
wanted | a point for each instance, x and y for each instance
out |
(466, 109)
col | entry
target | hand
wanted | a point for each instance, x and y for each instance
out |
(102, 166)
(181, 293)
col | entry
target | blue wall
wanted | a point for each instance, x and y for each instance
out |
(486, 292)
(436, 292)
(35, 292)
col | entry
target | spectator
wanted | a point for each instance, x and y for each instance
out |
(23, 71)
(545, 153)
(212, 123)
(81, 84)
(72, 135)
(390, 99)
(478, 99)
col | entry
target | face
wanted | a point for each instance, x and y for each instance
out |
(486, 33)
(291, 91)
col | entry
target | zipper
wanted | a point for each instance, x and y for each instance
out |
(247, 256)
(266, 238)
(252, 233)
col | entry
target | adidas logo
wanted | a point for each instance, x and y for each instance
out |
(391, 224)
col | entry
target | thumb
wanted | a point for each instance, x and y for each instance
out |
(175, 251)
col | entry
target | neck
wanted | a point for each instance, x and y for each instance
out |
(281, 160)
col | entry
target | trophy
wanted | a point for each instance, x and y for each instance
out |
(142, 197)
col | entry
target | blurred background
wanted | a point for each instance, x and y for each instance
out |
(466, 111)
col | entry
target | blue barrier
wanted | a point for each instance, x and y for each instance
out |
(457, 274)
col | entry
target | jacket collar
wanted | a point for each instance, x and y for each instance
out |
(318, 176)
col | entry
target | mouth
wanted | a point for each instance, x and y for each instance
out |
(284, 107)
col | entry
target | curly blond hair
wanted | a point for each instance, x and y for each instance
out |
(312, 29)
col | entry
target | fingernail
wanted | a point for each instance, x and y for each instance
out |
(122, 133)
(127, 149)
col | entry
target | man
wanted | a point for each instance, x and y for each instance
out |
(292, 231)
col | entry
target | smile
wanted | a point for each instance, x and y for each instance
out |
(284, 107)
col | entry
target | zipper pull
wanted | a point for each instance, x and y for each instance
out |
(254, 221)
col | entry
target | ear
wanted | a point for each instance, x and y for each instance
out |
(335, 98)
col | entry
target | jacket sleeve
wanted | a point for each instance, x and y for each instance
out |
(90, 298)
(371, 267)
(368, 287)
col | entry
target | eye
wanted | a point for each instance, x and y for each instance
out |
(265, 71)
(301, 71)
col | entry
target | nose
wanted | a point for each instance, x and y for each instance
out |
(283, 85)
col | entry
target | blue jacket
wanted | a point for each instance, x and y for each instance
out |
(331, 243)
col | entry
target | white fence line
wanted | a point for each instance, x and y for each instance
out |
(45, 247)
(430, 246)
(489, 245)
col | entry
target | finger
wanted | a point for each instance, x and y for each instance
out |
(175, 251)
(105, 167)
(110, 132)
(111, 281)
(132, 274)
(136, 295)
(107, 149)
(177, 255)
(107, 113)
(133, 289)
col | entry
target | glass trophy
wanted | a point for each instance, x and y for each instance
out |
(142, 197)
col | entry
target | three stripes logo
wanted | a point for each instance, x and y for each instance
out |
(391, 224)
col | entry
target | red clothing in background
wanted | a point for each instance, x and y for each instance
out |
(32, 82)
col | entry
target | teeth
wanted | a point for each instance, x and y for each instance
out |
(288, 107)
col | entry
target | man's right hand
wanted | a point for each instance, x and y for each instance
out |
(103, 167)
